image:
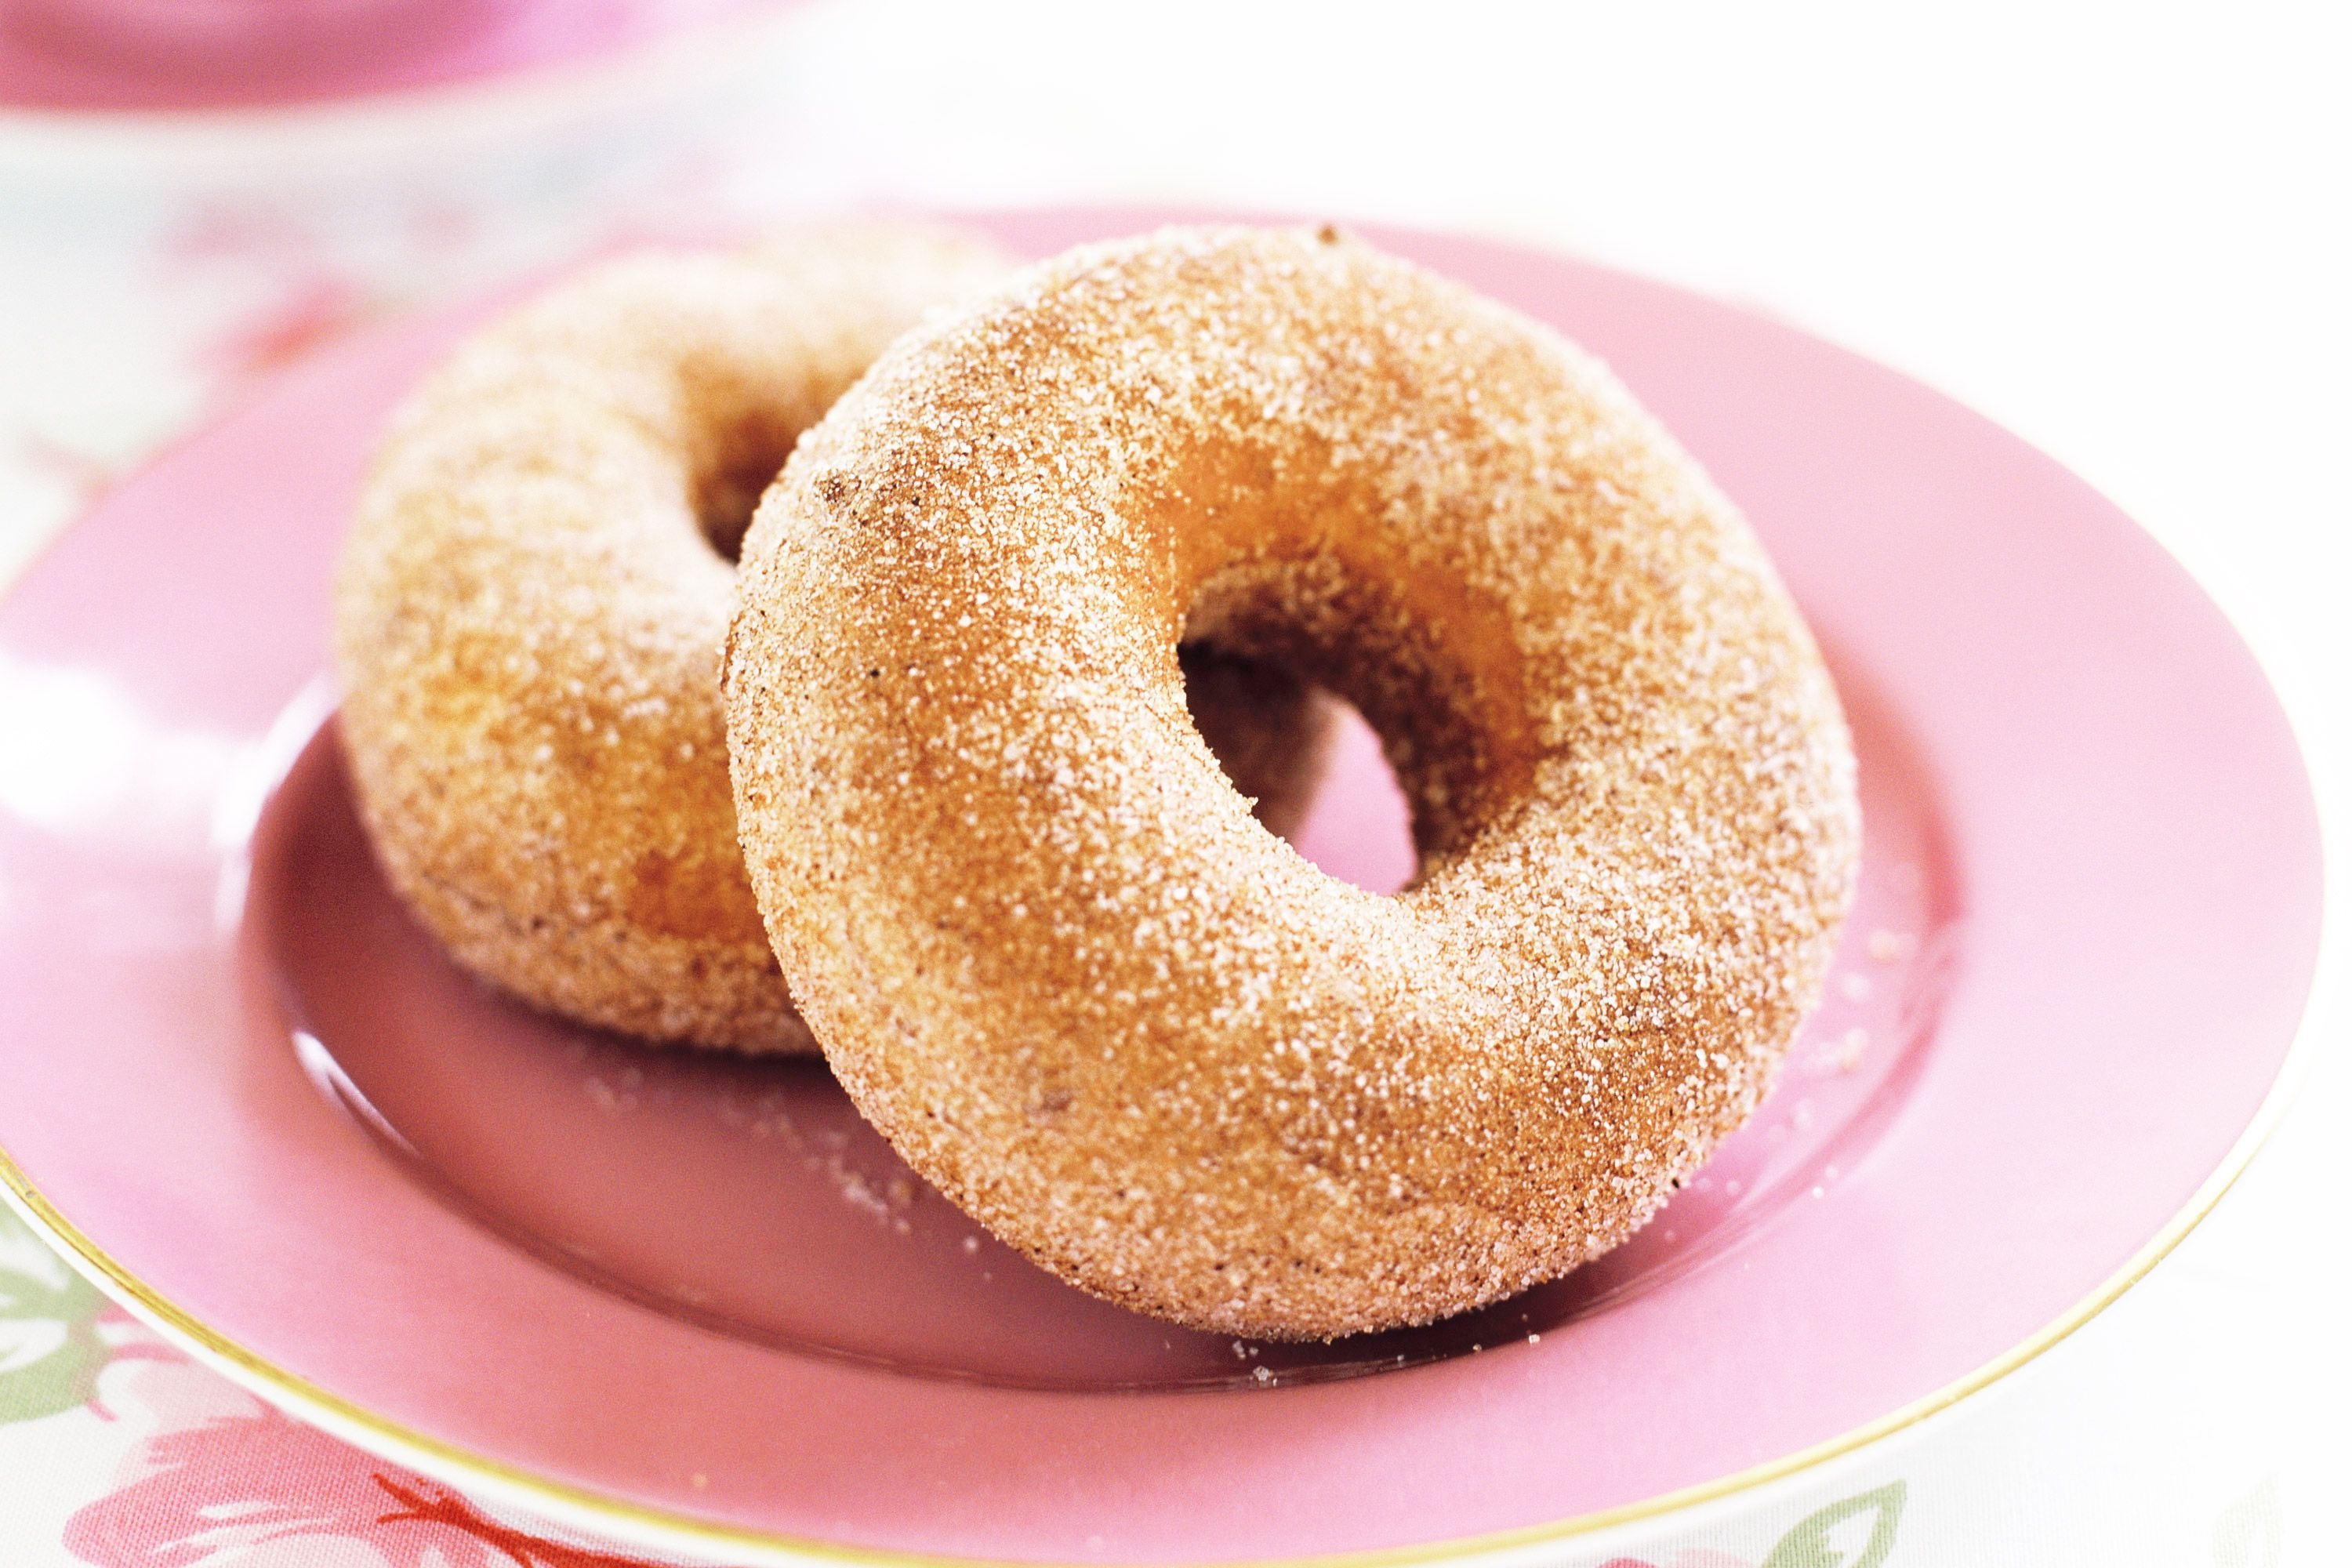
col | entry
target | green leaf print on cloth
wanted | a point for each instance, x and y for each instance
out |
(49, 1350)
(1852, 1532)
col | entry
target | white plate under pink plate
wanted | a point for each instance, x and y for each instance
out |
(672, 1287)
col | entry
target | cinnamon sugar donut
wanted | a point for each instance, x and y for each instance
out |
(531, 610)
(1041, 941)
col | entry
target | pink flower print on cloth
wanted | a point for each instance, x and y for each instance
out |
(218, 1477)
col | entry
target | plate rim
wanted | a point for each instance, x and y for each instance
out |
(662, 1528)
(659, 1528)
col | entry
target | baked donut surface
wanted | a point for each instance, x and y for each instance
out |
(1041, 940)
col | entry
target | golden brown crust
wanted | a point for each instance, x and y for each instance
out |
(1042, 943)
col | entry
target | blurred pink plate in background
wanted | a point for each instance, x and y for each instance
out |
(698, 1302)
(152, 55)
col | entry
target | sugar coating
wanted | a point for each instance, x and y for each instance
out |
(1041, 940)
(530, 608)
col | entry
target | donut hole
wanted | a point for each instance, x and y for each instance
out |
(1272, 731)
(746, 454)
(1346, 813)
(1422, 675)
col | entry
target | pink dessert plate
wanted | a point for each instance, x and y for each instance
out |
(696, 1301)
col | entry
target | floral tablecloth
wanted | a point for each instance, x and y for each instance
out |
(146, 282)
